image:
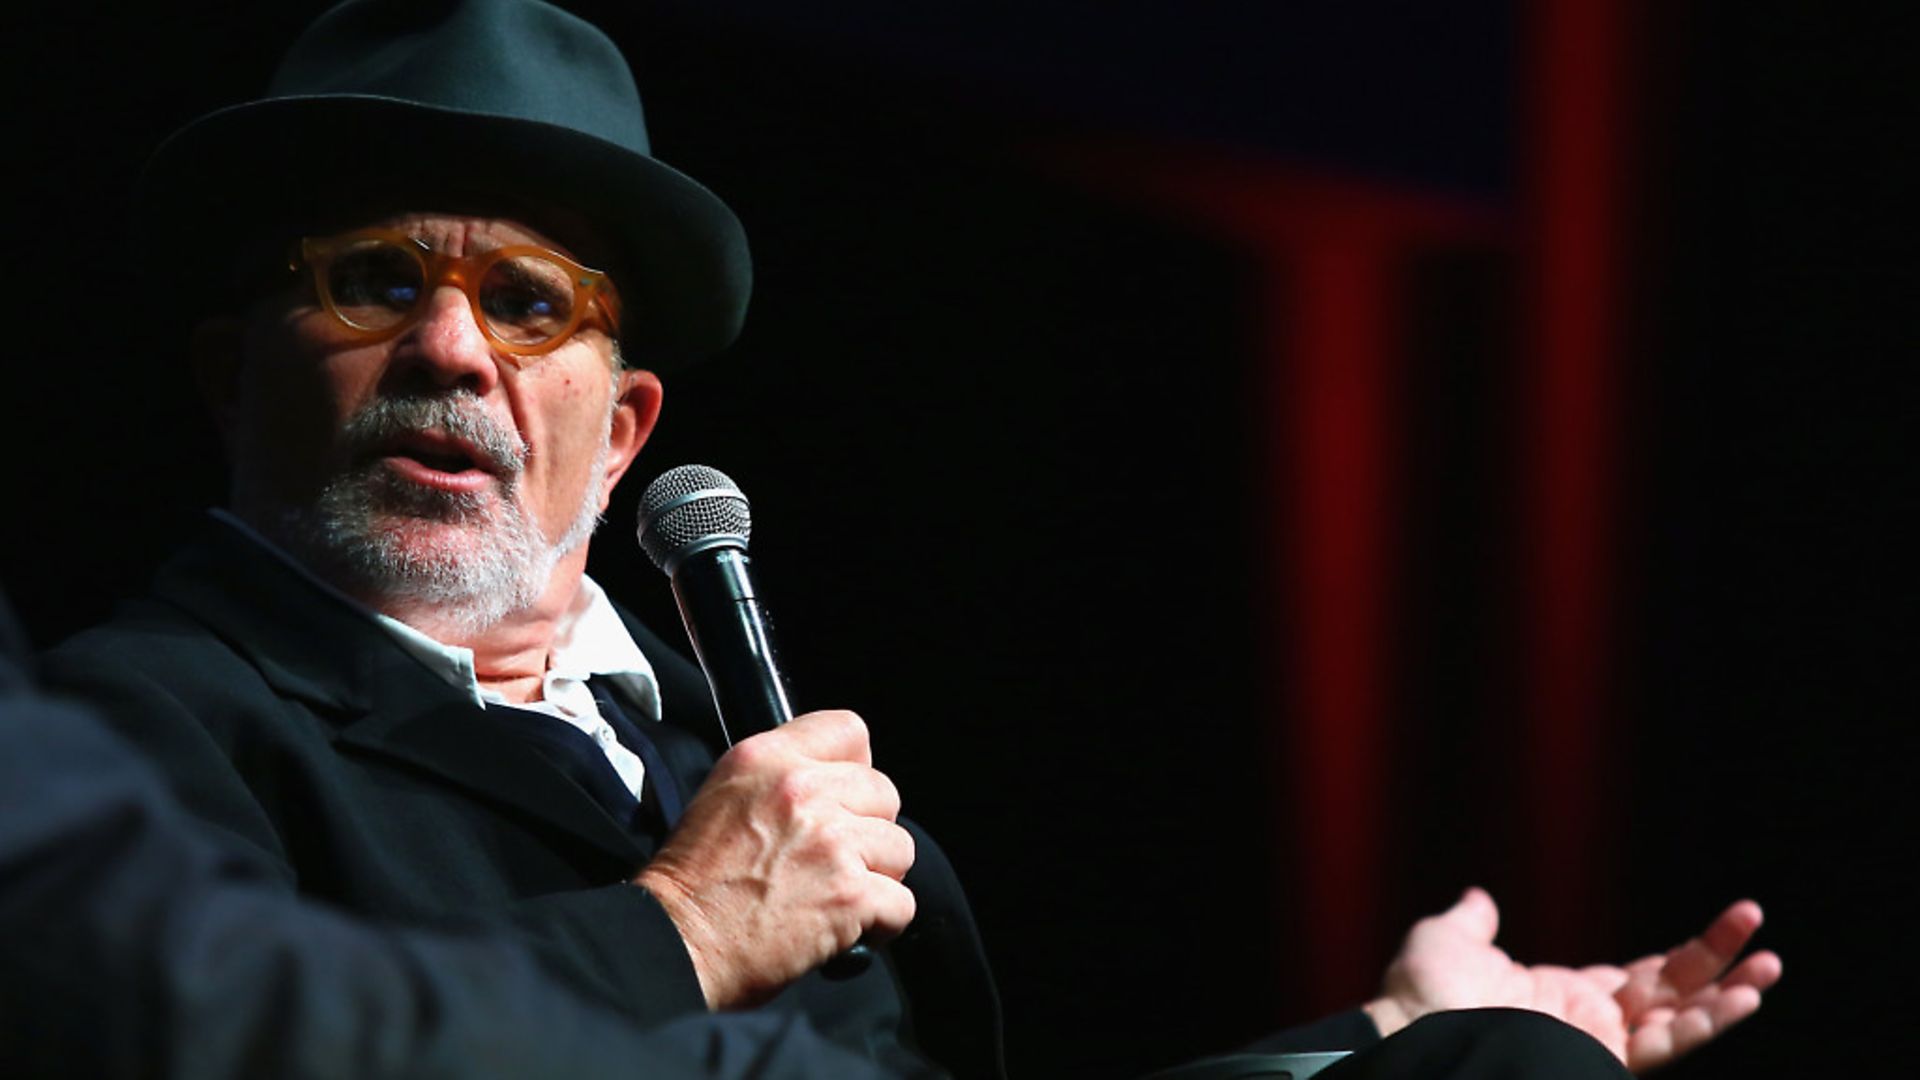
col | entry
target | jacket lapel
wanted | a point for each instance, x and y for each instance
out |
(313, 646)
(478, 750)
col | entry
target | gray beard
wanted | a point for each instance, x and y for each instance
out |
(498, 563)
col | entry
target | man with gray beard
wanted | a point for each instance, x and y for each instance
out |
(382, 669)
(342, 534)
(384, 673)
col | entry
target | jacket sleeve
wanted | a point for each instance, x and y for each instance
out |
(141, 941)
(633, 951)
(1350, 1030)
(624, 949)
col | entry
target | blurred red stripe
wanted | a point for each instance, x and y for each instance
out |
(1578, 64)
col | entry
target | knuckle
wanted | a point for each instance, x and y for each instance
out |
(839, 850)
(822, 856)
(747, 754)
(794, 789)
(834, 734)
(842, 884)
(849, 892)
(831, 838)
(889, 793)
(845, 723)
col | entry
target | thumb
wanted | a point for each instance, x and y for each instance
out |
(1475, 913)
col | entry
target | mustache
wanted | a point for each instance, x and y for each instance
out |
(457, 413)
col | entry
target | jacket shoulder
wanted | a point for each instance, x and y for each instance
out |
(185, 699)
(144, 633)
(150, 658)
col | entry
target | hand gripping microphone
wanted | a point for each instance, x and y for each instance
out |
(694, 524)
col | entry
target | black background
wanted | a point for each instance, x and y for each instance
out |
(1002, 433)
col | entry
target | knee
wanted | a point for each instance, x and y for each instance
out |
(1515, 1043)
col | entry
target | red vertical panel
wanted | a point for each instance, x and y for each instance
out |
(1574, 138)
(1333, 366)
(1335, 452)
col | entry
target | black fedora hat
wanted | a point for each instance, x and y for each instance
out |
(414, 101)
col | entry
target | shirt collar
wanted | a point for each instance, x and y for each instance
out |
(590, 638)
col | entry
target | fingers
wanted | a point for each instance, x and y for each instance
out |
(1702, 959)
(1476, 914)
(1651, 1046)
(1646, 966)
(1471, 923)
(892, 909)
(828, 735)
(1676, 1002)
(868, 859)
(1666, 1034)
(1760, 971)
(822, 755)
(1727, 935)
(856, 788)
(1698, 962)
(883, 848)
(788, 854)
(1724, 1010)
(1605, 977)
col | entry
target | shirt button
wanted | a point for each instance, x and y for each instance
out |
(605, 734)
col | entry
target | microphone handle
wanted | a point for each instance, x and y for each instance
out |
(733, 639)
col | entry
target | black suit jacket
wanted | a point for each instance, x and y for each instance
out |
(132, 943)
(294, 724)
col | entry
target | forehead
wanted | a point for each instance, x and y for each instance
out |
(469, 222)
(464, 234)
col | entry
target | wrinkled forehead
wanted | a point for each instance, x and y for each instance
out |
(265, 247)
(465, 223)
(462, 234)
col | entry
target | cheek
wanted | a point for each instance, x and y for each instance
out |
(294, 396)
(310, 399)
(574, 421)
(579, 410)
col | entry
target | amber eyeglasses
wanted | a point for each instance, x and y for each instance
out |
(526, 299)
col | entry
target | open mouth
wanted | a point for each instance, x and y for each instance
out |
(443, 459)
(438, 460)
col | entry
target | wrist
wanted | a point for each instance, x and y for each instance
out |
(690, 923)
(1388, 1015)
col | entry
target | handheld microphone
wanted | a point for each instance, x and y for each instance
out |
(694, 524)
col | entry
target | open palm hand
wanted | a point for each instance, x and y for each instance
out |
(1647, 1012)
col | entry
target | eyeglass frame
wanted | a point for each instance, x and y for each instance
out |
(591, 288)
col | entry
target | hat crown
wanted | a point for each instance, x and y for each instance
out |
(414, 101)
(515, 58)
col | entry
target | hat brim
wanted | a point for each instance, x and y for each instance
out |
(679, 255)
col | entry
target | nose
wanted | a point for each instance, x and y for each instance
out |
(447, 347)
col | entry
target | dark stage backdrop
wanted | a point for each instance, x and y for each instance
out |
(1259, 468)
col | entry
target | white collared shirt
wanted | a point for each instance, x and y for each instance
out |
(589, 640)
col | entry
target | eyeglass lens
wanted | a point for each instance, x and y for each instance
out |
(377, 285)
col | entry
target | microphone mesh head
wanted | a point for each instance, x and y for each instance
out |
(691, 507)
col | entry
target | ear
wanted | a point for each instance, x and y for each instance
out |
(634, 414)
(217, 349)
